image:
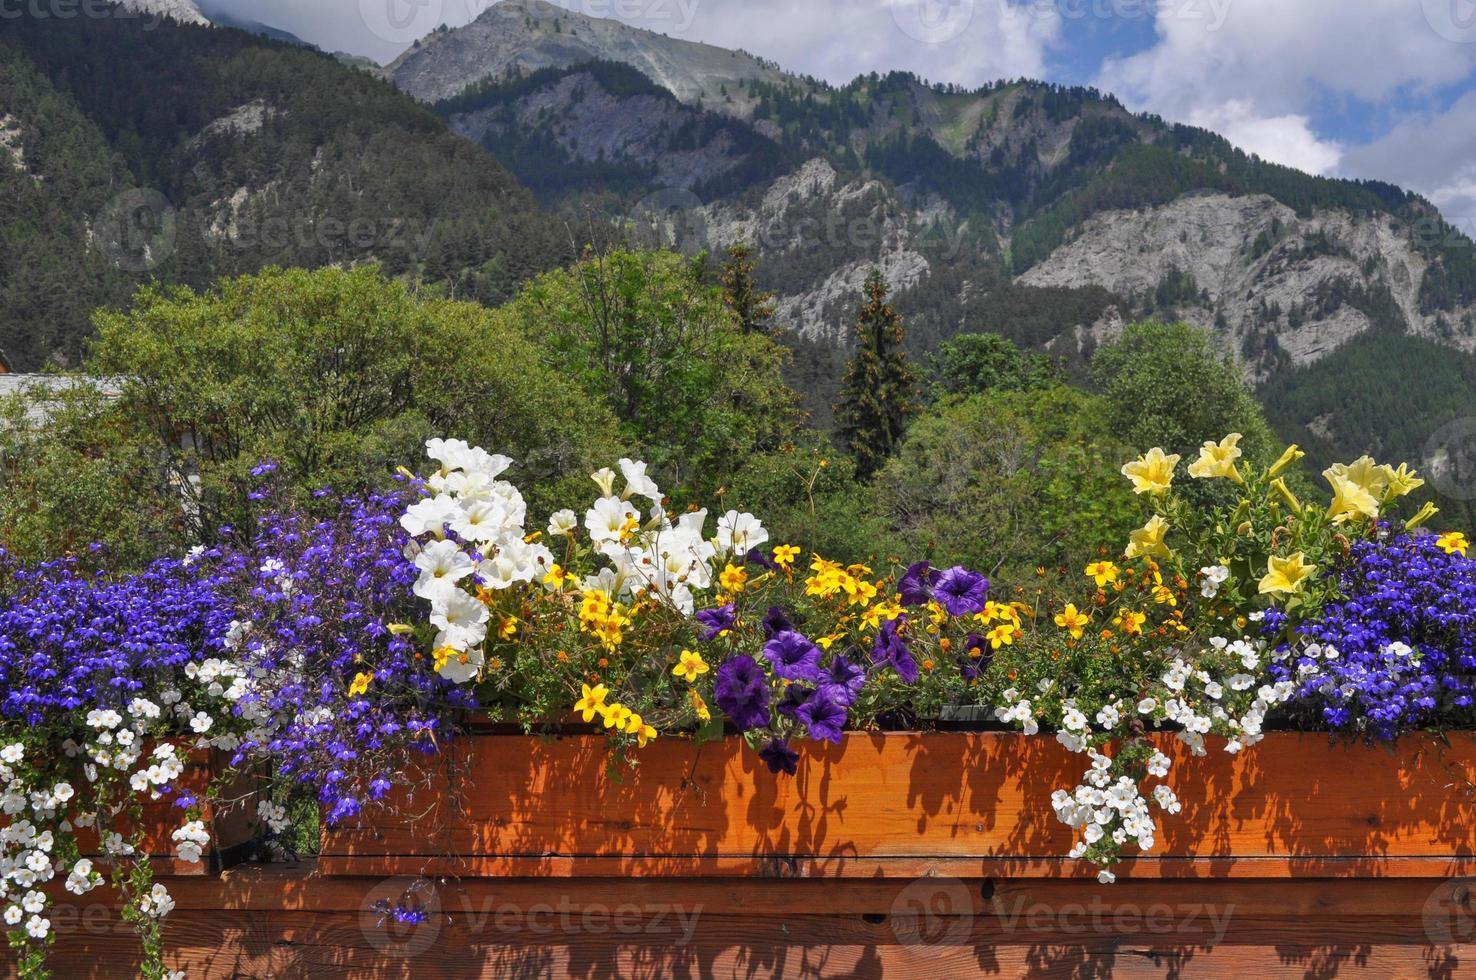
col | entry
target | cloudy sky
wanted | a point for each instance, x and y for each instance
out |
(1368, 88)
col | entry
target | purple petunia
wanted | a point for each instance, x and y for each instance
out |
(916, 584)
(794, 696)
(776, 621)
(842, 681)
(793, 656)
(716, 622)
(742, 691)
(823, 718)
(779, 757)
(961, 591)
(891, 648)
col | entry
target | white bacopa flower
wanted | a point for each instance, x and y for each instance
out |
(200, 723)
(1158, 765)
(13, 753)
(37, 927)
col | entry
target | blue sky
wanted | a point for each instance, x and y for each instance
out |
(1366, 88)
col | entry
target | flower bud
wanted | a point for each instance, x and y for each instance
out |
(1289, 457)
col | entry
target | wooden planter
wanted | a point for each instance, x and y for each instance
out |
(231, 827)
(890, 856)
(914, 805)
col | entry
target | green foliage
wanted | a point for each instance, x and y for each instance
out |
(76, 472)
(975, 363)
(339, 376)
(1166, 384)
(879, 393)
(808, 496)
(642, 334)
(1384, 395)
(1010, 481)
(753, 308)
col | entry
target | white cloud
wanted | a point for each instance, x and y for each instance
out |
(1261, 74)
(1433, 153)
(1286, 139)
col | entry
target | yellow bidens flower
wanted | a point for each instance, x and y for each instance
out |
(733, 579)
(557, 576)
(1148, 541)
(1131, 622)
(1002, 635)
(830, 579)
(1104, 572)
(692, 666)
(1453, 543)
(1152, 472)
(1072, 621)
(602, 618)
(784, 555)
(1286, 574)
(593, 702)
(508, 628)
(698, 705)
(360, 684)
(616, 716)
(880, 613)
(1217, 460)
(643, 732)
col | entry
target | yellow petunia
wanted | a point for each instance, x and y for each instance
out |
(1351, 499)
(1104, 572)
(1453, 543)
(1217, 460)
(1148, 540)
(1072, 620)
(593, 702)
(1401, 482)
(1153, 472)
(691, 667)
(1286, 575)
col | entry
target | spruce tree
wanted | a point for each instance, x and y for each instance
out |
(753, 308)
(879, 391)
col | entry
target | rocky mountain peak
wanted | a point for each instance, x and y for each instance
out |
(184, 11)
(521, 36)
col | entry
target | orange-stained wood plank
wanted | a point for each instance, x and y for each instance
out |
(913, 804)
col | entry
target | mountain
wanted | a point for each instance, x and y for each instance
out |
(1050, 214)
(225, 18)
(515, 36)
(182, 11)
(133, 152)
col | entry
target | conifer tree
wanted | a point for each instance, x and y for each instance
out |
(753, 308)
(879, 392)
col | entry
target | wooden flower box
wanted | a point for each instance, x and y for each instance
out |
(899, 855)
(231, 823)
(915, 805)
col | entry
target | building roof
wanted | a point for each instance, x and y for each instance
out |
(38, 410)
